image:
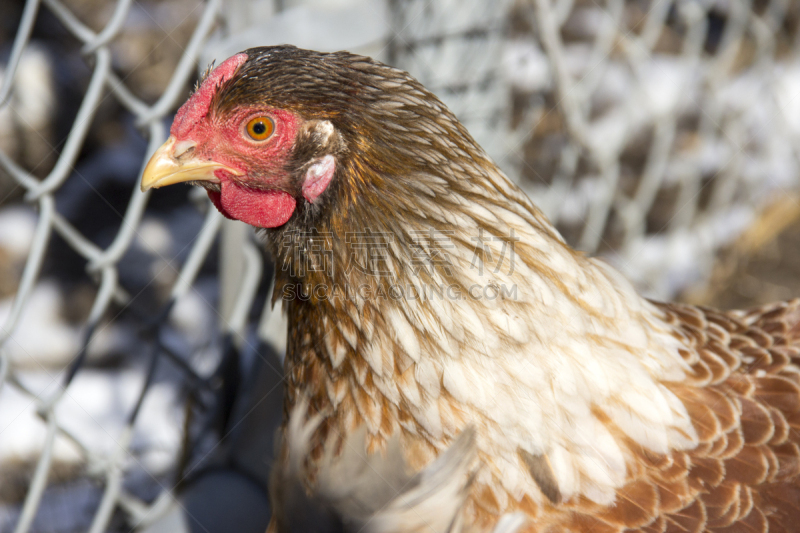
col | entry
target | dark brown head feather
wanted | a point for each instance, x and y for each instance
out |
(395, 142)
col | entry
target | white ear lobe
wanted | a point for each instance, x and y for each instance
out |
(318, 177)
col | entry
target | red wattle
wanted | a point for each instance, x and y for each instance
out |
(263, 209)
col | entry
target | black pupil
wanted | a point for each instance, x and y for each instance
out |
(259, 128)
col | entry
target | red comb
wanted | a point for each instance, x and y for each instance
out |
(197, 106)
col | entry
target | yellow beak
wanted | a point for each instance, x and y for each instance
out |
(174, 162)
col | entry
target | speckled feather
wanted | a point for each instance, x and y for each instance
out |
(594, 409)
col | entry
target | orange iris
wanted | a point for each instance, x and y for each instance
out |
(260, 128)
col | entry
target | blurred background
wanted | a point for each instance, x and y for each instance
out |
(140, 363)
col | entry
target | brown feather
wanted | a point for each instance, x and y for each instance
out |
(637, 505)
(691, 519)
(757, 426)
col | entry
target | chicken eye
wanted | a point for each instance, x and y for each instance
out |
(260, 128)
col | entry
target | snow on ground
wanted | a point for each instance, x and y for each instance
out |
(94, 410)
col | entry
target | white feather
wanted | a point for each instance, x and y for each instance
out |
(349, 333)
(428, 376)
(408, 388)
(336, 349)
(456, 383)
(403, 333)
(373, 353)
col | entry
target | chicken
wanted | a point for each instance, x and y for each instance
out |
(426, 294)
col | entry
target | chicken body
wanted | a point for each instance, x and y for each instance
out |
(427, 294)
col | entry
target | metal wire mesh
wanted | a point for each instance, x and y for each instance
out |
(661, 128)
(454, 47)
(103, 262)
(650, 131)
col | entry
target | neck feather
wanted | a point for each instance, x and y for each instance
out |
(452, 298)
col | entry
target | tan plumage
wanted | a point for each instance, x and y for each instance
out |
(741, 395)
(594, 409)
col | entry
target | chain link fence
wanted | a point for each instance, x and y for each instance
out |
(652, 132)
(108, 462)
(660, 128)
